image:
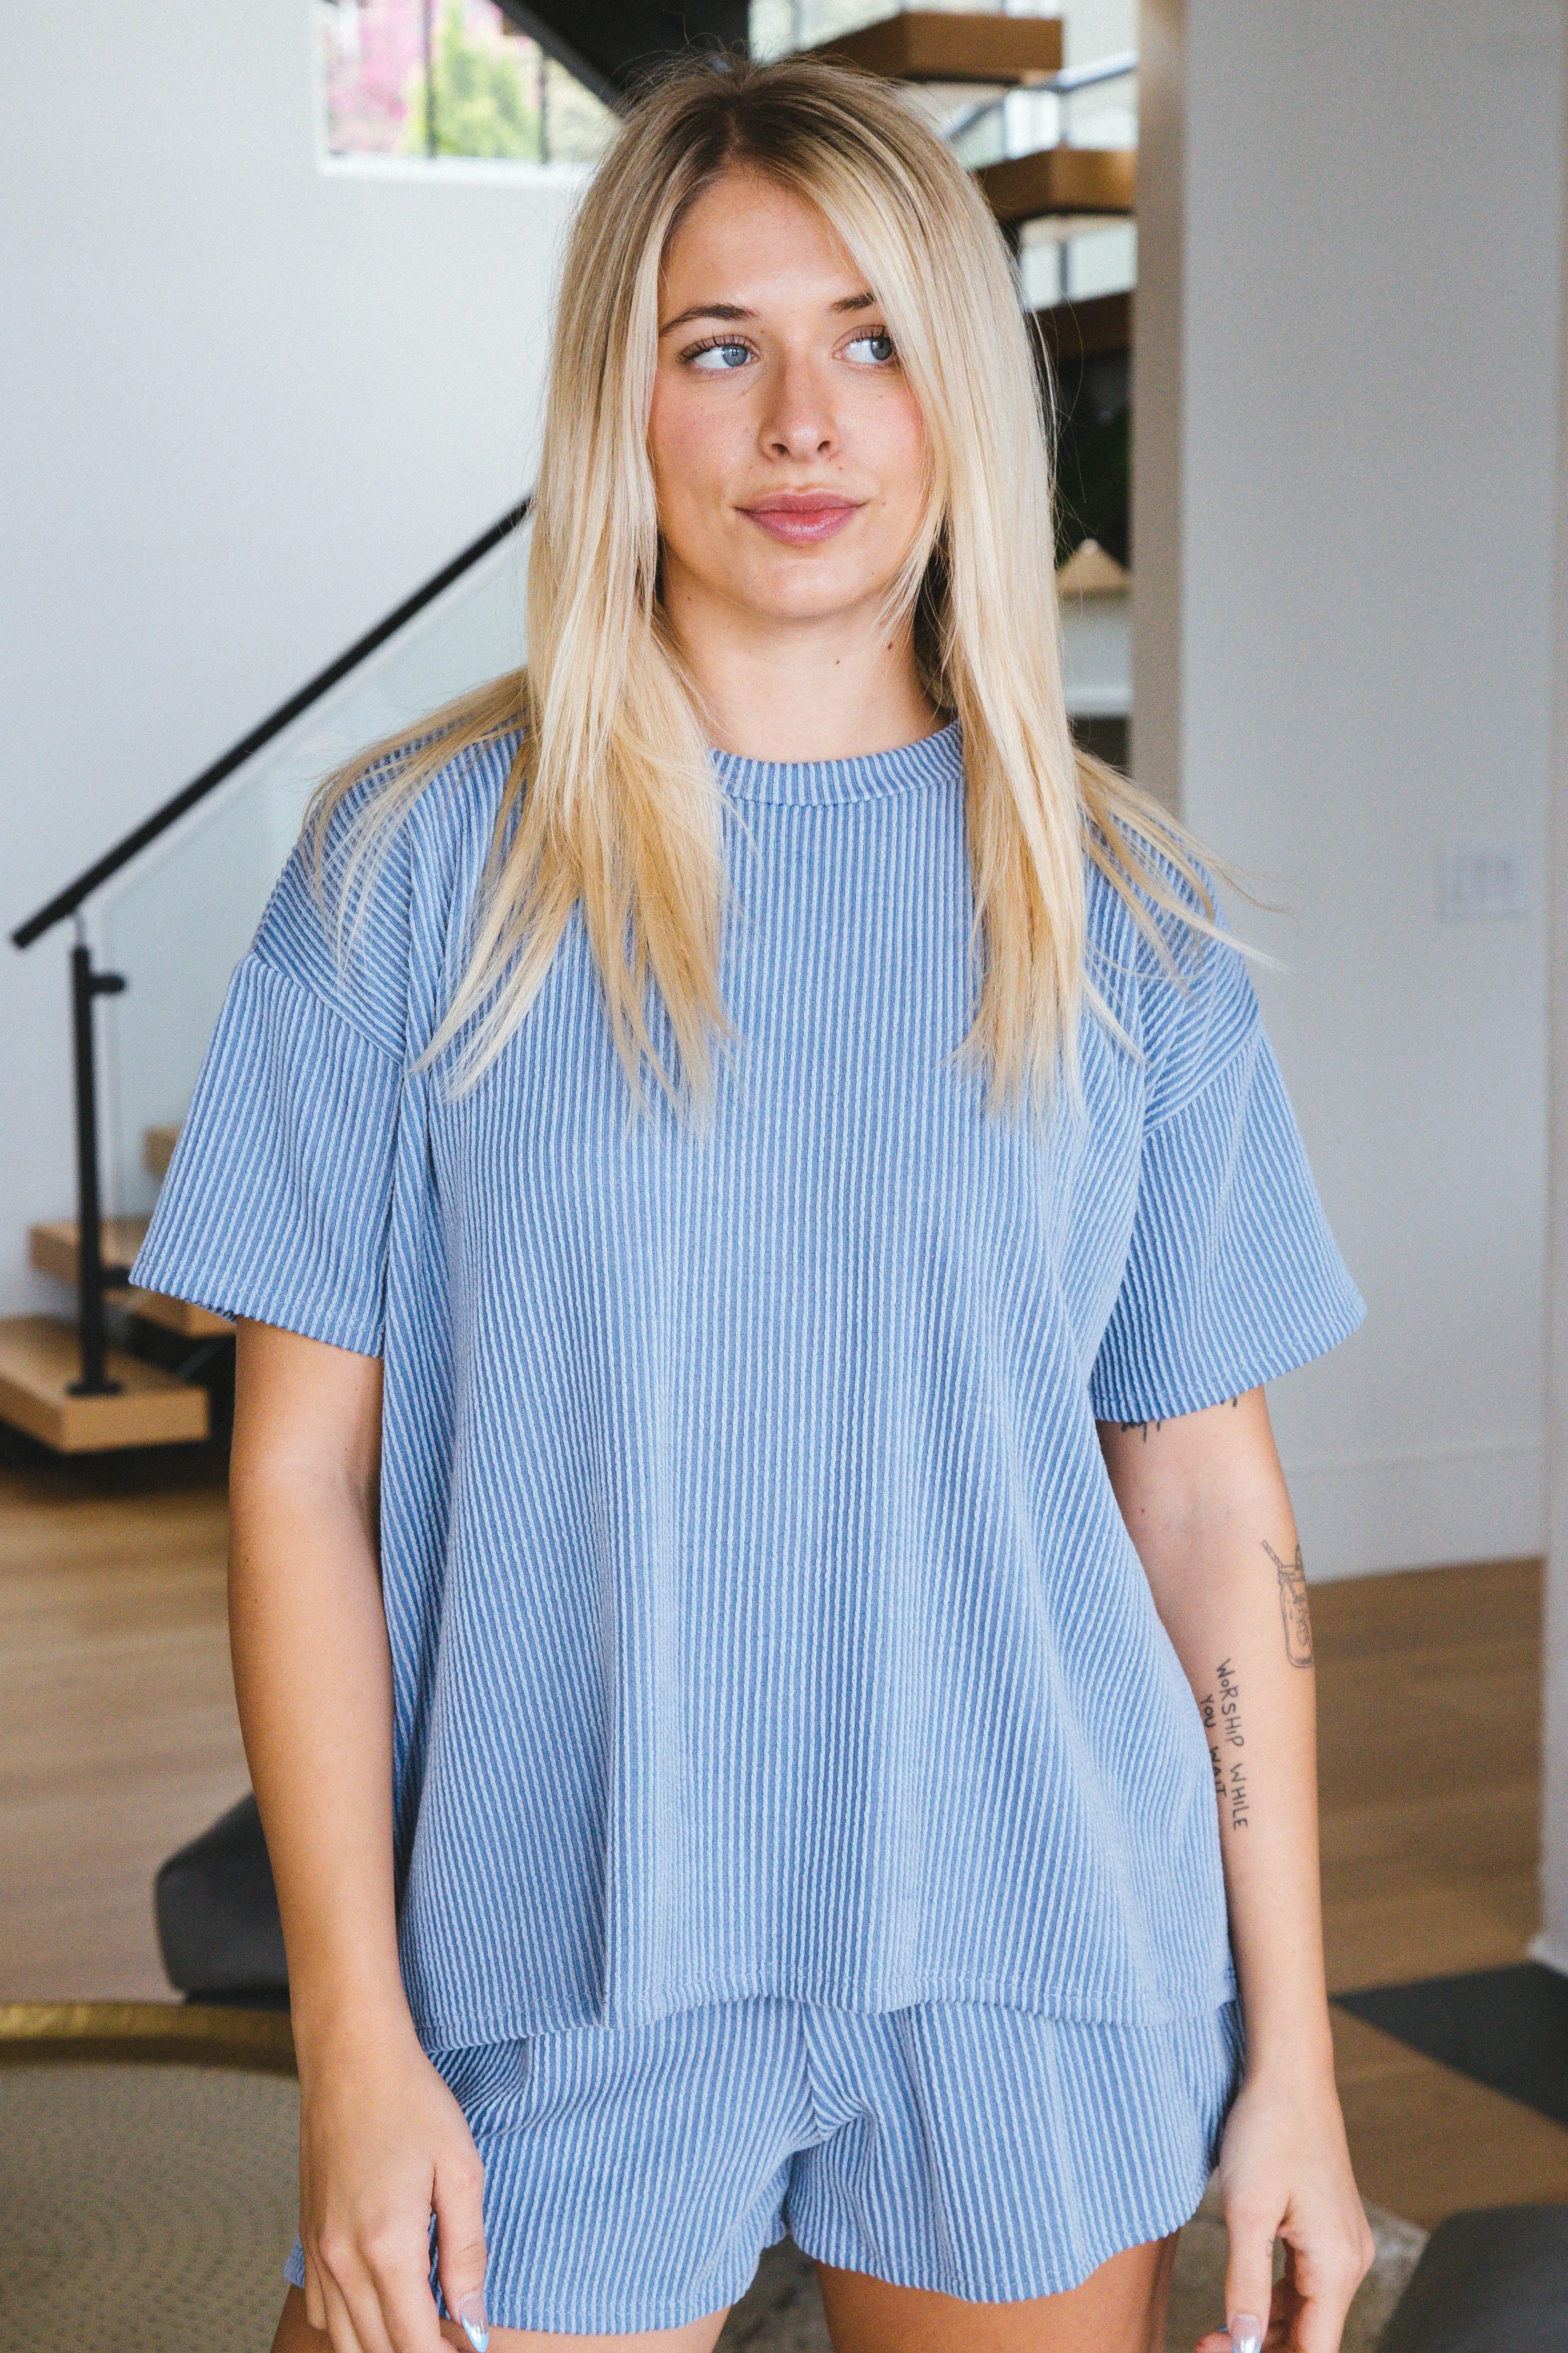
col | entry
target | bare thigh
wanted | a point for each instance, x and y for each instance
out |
(295, 2335)
(1119, 2308)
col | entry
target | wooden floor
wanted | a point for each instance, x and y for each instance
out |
(1429, 1691)
(118, 1733)
(118, 1741)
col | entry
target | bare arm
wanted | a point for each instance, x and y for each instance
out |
(1204, 1501)
(312, 1672)
(383, 2144)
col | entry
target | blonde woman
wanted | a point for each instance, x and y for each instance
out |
(767, 1622)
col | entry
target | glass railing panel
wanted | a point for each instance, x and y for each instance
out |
(1097, 656)
(177, 920)
(779, 27)
(1074, 260)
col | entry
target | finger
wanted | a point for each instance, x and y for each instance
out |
(1249, 2276)
(1322, 2289)
(353, 2305)
(399, 2281)
(408, 2309)
(315, 2302)
(341, 2330)
(458, 2200)
(1218, 2340)
(1280, 2336)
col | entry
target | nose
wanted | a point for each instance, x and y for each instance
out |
(798, 420)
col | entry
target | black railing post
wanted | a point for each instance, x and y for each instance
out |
(93, 1277)
(86, 985)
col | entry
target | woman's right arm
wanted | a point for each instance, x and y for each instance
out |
(383, 2144)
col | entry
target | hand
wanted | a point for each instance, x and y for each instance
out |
(383, 2144)
(1285, 2173)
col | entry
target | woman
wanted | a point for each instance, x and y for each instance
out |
(729, 1584)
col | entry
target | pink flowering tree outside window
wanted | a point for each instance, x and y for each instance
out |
(492, 93)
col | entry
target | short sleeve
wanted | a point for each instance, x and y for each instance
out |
(1232, 1276)
(277, 1203)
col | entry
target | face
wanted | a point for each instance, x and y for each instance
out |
(787, 449)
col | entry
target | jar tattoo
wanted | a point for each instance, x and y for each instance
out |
(1292, 1581)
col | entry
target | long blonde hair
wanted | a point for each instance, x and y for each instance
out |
(612, 803)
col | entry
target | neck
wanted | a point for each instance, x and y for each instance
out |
(830, 689)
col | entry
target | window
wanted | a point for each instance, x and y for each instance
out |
(421, 77)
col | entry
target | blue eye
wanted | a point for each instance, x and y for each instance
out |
(880, 343)
(712, 358)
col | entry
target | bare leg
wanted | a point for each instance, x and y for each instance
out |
(295, 2335)
(1119, 2308)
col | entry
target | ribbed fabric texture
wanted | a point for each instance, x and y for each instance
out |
(633, 2174)
(762, 1621)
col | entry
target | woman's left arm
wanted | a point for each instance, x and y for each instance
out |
(1204, 1498)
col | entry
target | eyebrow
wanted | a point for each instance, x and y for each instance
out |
(731, 313)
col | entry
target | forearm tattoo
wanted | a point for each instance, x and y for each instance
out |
(1293, 1609)
(1145, 1429)
(1222, 1723)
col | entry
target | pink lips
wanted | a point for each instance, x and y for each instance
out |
(802, 516)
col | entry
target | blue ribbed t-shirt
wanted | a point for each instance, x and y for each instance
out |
(762, 1621)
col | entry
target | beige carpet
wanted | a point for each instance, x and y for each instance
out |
(148, 2210)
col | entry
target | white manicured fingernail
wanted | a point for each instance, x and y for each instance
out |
(1246, 2333)
(475, 2320)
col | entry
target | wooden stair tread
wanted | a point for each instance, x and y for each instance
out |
(51, 1248)
(957, 46)
(1084, 330)
(1062, 180)
(170, 1314)
(38, 1361)
(158, 1149)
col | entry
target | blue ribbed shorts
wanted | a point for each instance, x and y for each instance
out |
(633, 2175)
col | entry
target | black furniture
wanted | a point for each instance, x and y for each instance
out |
(217, 1914)
(1494, 2281)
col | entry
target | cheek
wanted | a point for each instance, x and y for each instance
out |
(898, 429)
(686, 446)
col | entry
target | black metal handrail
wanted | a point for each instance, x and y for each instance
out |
(94, 1274)
(65, 903)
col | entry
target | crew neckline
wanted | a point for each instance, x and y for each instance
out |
(932, 760)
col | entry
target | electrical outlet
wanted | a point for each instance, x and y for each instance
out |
(1481, 878)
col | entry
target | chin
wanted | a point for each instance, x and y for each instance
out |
(805, 592)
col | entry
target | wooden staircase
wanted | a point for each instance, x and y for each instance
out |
(947, 45)
(1062, 182)
(38, 1363)
(39, 1357)
(158, 1149)
(1093, 329)
(986, 50)
(52, 1249)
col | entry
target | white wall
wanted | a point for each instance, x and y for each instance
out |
(1159, 402)
(1371, 291)
(1551, 1943)
(250, 405)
